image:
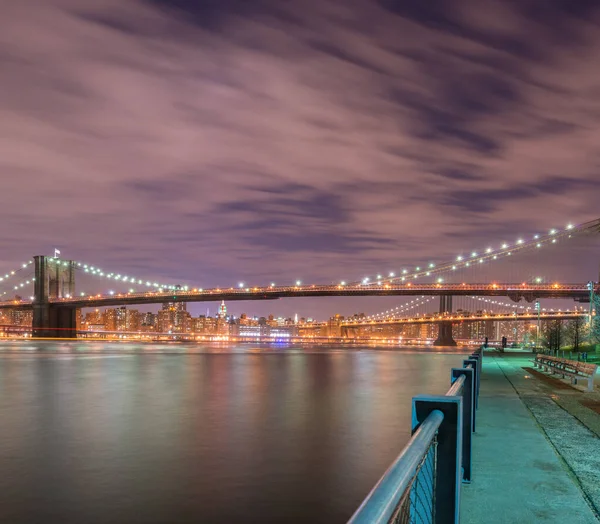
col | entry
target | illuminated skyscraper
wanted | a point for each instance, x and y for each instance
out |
(222, 310)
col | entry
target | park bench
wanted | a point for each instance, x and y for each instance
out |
(567, 368)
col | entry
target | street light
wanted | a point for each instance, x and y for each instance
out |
(537, 332)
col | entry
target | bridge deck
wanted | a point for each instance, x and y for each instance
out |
(515, 291)
(517, 475)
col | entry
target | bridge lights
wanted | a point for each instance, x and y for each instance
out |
(520, 241)
(504, 246)
(570, 226)
(111, 292)
(298, 283)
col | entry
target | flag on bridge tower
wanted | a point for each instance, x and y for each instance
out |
(56, 252)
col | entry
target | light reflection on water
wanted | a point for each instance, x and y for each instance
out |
(157, 433)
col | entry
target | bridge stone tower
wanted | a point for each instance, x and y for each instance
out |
(445, 333)
(53, 279)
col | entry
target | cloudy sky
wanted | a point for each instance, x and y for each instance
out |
(219, 141)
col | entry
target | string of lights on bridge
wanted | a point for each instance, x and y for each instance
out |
(430, 269)
(518, 306)
(119, 277)
(476, 257)
(10, 277)
(15, 273)
(413, 304)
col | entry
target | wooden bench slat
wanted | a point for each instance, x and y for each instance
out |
(565, 367)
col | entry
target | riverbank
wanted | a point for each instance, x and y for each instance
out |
(535, 450)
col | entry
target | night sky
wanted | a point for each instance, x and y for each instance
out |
(223, 141)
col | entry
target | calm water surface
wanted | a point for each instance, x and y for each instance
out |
(125, 433)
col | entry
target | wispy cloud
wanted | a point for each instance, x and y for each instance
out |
(271, 138)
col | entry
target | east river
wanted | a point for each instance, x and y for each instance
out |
(159, 433)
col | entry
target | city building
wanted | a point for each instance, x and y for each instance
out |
(173, 318)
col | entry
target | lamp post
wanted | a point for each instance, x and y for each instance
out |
(537, 331)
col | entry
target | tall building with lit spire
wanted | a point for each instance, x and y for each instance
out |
(222, 310)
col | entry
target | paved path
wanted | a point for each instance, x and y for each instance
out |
(518, 477)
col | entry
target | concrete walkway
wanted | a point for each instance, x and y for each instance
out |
(517, 475)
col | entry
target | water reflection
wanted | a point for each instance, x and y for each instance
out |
(182, 433)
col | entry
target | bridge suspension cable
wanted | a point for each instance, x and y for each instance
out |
(17, 285)
(409, 306)
(122, 278)
(488, 254)
(15, 273)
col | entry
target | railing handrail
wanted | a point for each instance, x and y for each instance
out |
(457, 386)
(449, 422)
(382, 501)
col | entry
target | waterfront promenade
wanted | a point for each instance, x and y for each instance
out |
(535, 450)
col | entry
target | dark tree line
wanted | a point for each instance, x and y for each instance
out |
(557, 333)
(553, 334)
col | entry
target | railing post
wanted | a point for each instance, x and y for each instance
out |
(475, 366)
(477, 357)
(449, 452)
(468, 426)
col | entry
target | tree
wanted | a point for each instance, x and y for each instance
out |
(552, 334)
(595, 323)
(576, 332)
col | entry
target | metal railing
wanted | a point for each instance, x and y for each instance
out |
(422, 486)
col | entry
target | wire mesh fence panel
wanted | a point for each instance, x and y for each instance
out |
(417, 505)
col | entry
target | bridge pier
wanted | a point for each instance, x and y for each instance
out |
(53, 279)
(444, 337)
